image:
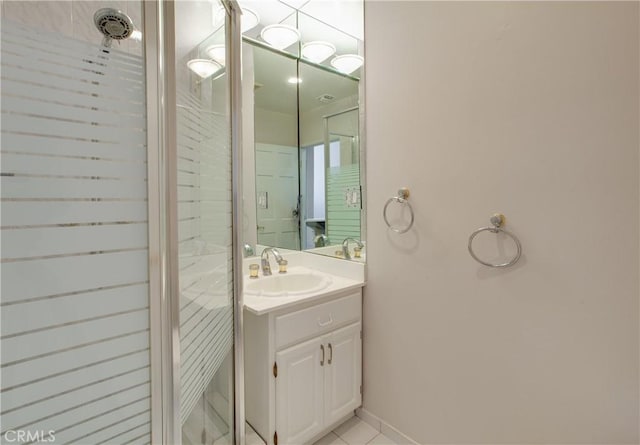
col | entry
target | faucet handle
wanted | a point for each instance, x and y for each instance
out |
(266, 267)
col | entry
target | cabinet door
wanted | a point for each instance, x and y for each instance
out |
(299, 391)
(343, 375)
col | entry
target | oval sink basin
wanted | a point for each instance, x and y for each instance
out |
(287, 284)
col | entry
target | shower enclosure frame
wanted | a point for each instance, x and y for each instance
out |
(159, 21)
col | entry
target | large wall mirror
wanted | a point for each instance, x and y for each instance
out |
(303, 156)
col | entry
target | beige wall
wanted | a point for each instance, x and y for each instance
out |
(530, 109)
(276, 128)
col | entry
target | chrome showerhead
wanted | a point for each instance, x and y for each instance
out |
(113, 24)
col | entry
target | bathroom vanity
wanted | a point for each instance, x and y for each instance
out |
(303, 353)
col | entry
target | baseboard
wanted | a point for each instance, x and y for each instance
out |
(392, 433)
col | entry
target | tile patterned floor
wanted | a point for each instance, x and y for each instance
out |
(355, 432)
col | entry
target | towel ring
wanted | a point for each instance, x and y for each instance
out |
(497, 221)
(402, 198)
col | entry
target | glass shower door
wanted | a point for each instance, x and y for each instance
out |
(75, 358)
(204, 218)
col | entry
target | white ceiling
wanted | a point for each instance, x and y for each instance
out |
(340, 22)
(344, 15)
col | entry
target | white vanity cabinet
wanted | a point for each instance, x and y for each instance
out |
(303, 368)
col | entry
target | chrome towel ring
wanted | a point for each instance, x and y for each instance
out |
(497, 220)
(402, 198)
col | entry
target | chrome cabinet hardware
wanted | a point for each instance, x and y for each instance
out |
(322, 361)
(330, 353)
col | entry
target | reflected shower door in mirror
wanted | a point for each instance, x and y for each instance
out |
(302, 154)
(330, 159)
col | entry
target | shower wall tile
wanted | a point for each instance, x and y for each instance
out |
(53, 16)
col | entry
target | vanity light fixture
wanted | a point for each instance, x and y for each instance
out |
(347, 63)
(318, 51)
(280, 36)
(248, 20)
(217, 53)
(203, 67)
(294, 80)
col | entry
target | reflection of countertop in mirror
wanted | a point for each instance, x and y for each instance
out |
(335, 251)
(334, 276)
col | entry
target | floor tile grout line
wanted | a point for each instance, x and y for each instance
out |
(359, 421)
(374, 437)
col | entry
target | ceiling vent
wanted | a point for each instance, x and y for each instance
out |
(326, 98)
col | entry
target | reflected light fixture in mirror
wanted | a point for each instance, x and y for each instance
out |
(203, 67)
(248, 20)
(318, 51)
(217, 54)
(280, 36)
(347, 63)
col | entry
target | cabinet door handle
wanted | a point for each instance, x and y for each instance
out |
(330, 353)
(326, 323)
(322, 361)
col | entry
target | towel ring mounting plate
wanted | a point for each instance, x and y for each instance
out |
(497, 221)
(401, 198)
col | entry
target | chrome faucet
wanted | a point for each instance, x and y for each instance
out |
(321, 240)
(345, 247)
(264, 259)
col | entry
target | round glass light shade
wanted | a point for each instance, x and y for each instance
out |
(280, 36)
(347, 63)
(203, 67)
(217, 54)
(248, 20)
(318, 51)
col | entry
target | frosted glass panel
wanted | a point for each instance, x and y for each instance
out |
(75, 295)
(204, 232)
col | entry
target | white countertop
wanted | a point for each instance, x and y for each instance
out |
(340, 276)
